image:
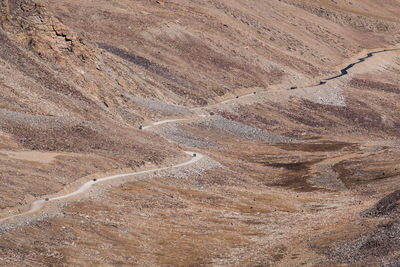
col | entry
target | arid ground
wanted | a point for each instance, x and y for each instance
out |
(295, 141)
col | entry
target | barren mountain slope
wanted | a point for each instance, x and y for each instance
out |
(289, 177)
(54, 99)
(214, 47)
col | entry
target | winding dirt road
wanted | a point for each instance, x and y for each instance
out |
(39, 204)
(343, 72)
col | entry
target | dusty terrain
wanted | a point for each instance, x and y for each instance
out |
(290, 177)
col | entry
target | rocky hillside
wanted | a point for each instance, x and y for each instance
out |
(103, 54)
(297, 169)
(58, 96)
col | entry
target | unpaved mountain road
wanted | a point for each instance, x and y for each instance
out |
(343, 72)
(39, 204)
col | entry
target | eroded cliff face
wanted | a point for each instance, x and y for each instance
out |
(36, 30)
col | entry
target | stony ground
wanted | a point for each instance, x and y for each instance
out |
(307, 176)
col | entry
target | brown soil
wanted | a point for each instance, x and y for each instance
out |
(307, 176)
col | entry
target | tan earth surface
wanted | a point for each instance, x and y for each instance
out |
(287, 172)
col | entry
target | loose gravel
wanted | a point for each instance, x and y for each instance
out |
(323, 94)
(32, 120)
(197, 168)
(328, 178)
(180, 136)
(395, 263)
(161, 109)
(383, 241)
(242, 130)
